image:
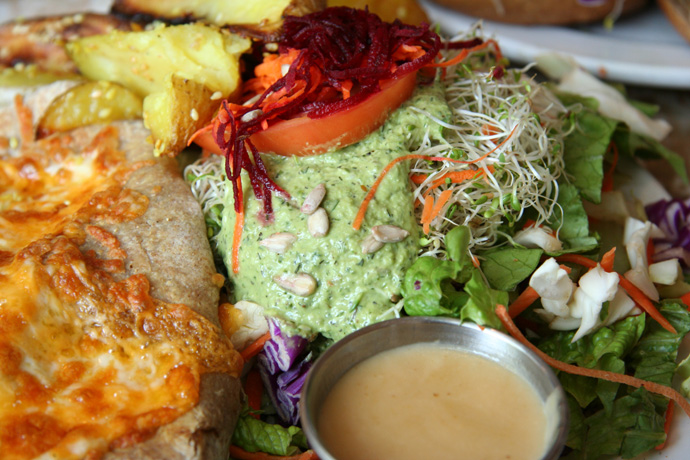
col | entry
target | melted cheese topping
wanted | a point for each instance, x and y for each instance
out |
(89, 361)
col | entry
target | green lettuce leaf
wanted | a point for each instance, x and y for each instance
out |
(428, 284)
(254, 435)
(586, 146)
(481, 305)
(573, 223)
(505, 268)
(633, 144)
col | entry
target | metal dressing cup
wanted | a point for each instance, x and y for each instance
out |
(448, 333)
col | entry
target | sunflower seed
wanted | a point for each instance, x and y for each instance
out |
(370, 244)
(313, 199)
(278, 242)
(389, 233)
(301, 284)
(318, 223)
(251, 115)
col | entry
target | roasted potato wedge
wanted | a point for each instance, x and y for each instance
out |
(174, 114)
(41, 41)
(258, 18)
(408, 11)
(30, 75)
(89, 103)
(203, 56)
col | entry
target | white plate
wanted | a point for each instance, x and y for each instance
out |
(642, 49)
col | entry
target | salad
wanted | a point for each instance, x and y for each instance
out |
(487, 193)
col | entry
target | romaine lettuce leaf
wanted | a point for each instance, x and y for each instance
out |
(254, 435)
(505, 268)
(586, 146)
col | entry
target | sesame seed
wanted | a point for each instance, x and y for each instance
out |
(104, 113)
(217, 95)
(194, 114)
(14, 142)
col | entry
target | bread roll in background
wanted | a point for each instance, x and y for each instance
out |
(543, 11)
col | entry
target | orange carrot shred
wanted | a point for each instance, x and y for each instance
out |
(418, 179)
(426, 213)
(633, 291)
(240, 454)
(607, 182)
(237, 239)
(255, 347)
(685, 298)
(440, 203)
(253, 388)
(668, 419)
(457, 177)
(466, 52)
(359, 218)
(645, 303)
(662, 390)
(607, 260)
(577, 259)
(523, 301)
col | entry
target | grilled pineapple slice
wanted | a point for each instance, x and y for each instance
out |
(172, 67)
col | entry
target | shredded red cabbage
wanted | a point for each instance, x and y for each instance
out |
(344, 45)
(283, 370)
(673, 218)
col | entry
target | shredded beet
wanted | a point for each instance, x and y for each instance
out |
(338, 48)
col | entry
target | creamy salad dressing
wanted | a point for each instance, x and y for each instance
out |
(353, 289)
(427, 401)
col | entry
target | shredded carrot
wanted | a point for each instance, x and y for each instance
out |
(523, 301)
(607, 182)
(595, 373)
(668, 419)
(426, 213)
(633, 291)
(685, 298)
(418, 178)
(238, 453)
(475, 261)
(25, 118)
(467, 51)
(607, 260)
(489, 130)
(440, 203)
(255, 347)
(359, 218)
(577, 259)
(650, 251)
(237, 230)
(253, 388)
(457, 177)
(645, 303)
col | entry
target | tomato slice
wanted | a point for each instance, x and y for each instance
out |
(304, 136)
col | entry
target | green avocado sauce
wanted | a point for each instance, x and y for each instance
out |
(353, 289)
